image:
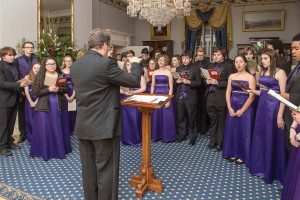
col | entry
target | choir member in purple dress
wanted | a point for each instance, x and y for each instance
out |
(70, 96)
(253, 67)
(163, 125)
(49, 140)
(24, 66)
(268, 153)
(291, 184)
(31, 101)
(131, 117)
(240, 118)
(151, 68)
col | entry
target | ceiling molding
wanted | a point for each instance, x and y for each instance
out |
(117, 3)
(122, 4)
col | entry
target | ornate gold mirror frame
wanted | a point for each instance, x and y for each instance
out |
(40, 14)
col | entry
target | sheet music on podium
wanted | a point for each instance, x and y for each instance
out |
(146, 99)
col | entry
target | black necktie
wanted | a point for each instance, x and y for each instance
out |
(29, 61)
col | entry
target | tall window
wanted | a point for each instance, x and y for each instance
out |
(206, 39)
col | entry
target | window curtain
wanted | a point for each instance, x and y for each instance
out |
(221, 37)
(193, 27)
(219, 18)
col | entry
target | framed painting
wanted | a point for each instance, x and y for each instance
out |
(163, 34)
(267, 20)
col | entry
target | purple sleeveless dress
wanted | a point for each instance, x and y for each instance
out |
(291, 184)
(238, 130)
(131, 133)
(49, 138)
(71, 115)
(163, 125)
(29, 115)
(268, 153)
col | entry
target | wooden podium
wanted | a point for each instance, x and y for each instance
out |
(146, 180)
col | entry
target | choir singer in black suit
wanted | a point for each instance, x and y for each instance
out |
(215, 98)
(186, 99)
(96, 81)
(9, 97)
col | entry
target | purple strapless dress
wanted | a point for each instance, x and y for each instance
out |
(71, 115)
(163, 125)
(238, 130)
(29, 115)
(268, 153)
(131, 133)
(49, 138)
(291, 184)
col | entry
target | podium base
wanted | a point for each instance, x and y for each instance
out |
(146, 181)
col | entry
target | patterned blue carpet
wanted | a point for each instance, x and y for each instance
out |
(187, 172)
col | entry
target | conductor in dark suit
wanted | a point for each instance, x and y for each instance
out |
(96, 81)
(9, 88)
(293, 88)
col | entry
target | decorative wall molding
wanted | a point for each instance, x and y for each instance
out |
(117, 3)
(119, 38)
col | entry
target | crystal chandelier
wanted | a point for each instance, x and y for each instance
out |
(158, 12)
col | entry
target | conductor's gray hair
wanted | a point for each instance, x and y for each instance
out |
(97, 38)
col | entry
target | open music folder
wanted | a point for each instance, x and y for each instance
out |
(210, 73)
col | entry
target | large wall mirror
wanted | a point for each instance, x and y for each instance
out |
(58, 12)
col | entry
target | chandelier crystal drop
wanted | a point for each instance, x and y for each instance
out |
(158, 12)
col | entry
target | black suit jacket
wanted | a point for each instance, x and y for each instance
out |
(294, 97)
(202, 64)
(192, 89)
(9, 88)
(294, 89)
(220, 91)
(283, 64)
(96, 81)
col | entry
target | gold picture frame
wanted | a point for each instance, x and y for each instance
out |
(266, 20)
(164, 34)
(40, 14)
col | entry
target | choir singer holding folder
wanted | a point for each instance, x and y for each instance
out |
(186, 98)
(97, 80)
(215, 97)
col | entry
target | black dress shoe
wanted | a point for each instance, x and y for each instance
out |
(211, 145)
(6, 152)
(180, 140)
(15, 146)
(192, 142)
(232, 159)
(218, 148)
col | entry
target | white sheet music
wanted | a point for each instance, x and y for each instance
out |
(146, 98)
(72, 105)
(205, 73)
